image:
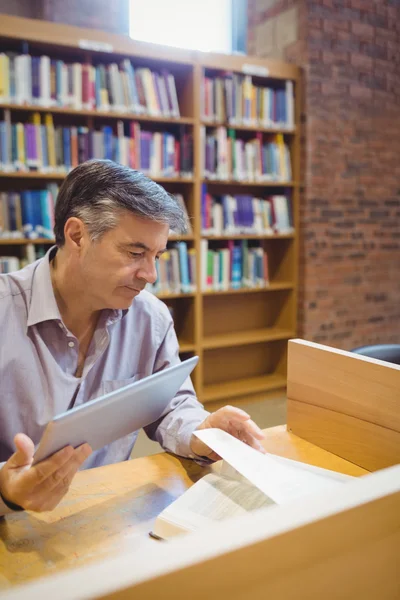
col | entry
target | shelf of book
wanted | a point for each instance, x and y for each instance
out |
(61, 176)
(250, 236)
(254, 128)
(259, 106)
(242, 338)
(269, 287)
(243, 387)
(234, 183)
(98, 114)
(24, 241)
(185, 346)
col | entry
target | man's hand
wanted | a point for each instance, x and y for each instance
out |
(42, 486)
(236, 422)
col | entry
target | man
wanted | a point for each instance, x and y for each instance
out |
(78, 323)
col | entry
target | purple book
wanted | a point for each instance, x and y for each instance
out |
(35, 79)
(157, 90)
(170, 104)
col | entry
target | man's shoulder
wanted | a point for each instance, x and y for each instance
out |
(15, 285)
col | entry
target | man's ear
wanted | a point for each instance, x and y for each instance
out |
(74, 233)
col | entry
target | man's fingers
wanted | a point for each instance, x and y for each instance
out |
(228, 413)
(252, 442)
(40, 472)
(251, 428)
(64, 474)
(24, 452)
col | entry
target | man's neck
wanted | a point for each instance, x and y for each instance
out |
(70, 294)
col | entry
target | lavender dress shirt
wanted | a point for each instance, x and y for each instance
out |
(39, 356)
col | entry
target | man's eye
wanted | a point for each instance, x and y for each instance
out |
(136, 254)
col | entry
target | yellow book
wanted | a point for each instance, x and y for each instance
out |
(21, 157)
(282, 159)
(51, 145)
(4, 78)
(39, 150)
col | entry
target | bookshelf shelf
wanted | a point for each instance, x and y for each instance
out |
(25, 241)
(233, 183)
(162, 296)
(233, 365)
(185, 346)
(243, 387)
(99, 114)
(61, 176)
(250, 236)
(254, 128)
(246, 337)
(268, 288)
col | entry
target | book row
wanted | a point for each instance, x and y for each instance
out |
(226, 157)
(30, 213)
(242, 214)
(176, 271)
(8, 264)
(46, 148)
(234, 266)
(235, 99)
(48, 82)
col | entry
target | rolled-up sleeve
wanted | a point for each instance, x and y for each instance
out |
(173, 431)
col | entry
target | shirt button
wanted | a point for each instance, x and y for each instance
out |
(71, 344)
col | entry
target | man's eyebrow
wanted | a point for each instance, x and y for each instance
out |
(144, 247)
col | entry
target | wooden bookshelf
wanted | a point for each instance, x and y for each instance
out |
(240, 334)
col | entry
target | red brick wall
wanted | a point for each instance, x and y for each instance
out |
(350, 215)
(108, 15)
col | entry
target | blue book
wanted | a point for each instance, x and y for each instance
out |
(37, 213)
(67, 147)
(108, 142)
(47, 229)
(184, 267)
(236, 274)
(28, 216)
(59, 67)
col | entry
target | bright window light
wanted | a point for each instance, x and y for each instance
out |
(192, 24)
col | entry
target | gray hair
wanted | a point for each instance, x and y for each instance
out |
(99, 191)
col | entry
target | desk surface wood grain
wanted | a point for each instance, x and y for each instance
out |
(110, 509)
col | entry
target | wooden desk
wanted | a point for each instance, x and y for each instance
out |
(110, 509)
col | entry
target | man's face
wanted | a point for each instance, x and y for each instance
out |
(118, 266)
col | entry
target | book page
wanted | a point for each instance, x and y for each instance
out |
(212, 498)
(279, 480)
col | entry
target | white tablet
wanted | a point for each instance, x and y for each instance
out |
(112, 416)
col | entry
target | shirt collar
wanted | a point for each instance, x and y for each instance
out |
(43, 305)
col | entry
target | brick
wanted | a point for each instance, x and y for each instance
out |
(350, 211)
(363, 31)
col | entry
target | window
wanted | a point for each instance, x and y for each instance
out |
(193, 24)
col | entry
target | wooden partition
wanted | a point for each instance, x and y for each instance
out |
(343, 546)
(345, 403)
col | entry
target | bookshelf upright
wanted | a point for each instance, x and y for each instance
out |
(231, 174)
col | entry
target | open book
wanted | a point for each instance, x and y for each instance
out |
(245, 481)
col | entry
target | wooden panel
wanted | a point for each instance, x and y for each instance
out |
(111, 509)
(347, 383)
(333, 546)
(366, 444)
